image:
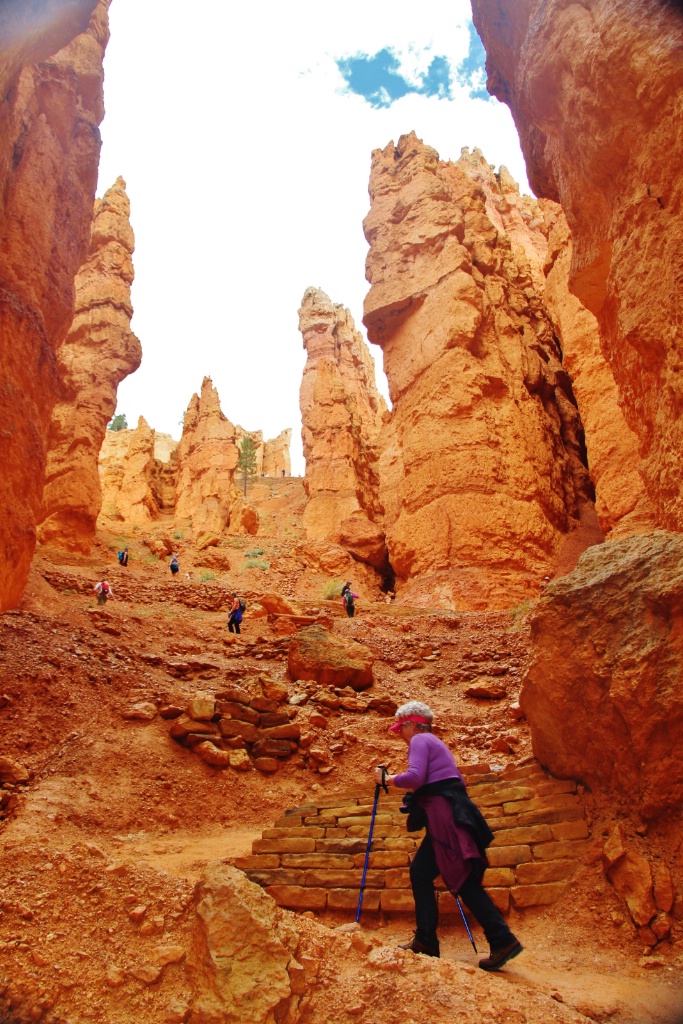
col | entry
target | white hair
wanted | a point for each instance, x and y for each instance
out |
(414, 707)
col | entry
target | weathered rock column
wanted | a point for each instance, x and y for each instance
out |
(342, 413)
(49, 153)
(482, 472)
(595, 93)
(99, 351)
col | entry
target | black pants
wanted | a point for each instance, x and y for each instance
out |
(423, 871)
(233, 626)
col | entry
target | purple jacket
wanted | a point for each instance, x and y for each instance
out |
(455, 849)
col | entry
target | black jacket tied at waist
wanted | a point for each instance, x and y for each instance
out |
(465, 812)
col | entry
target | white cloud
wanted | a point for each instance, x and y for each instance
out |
(247, 168)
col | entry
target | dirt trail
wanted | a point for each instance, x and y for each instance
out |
(115, 816)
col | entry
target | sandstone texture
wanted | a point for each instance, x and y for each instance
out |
(621, 502)
(482, 468)
(243, 947)
(276, 458)
(207, 459)
(315, 653)
(136, 484)
(99, 351)
(539, 229)
(49, 151)
(594, 90)
(342, 413)
(602, 692)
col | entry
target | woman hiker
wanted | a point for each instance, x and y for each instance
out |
(455, 842)
(235, 616)
(348, 597)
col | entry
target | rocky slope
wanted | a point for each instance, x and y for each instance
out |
(99, 351)
(594, 93)
(475, 375)
(342, 413)
(49, 152)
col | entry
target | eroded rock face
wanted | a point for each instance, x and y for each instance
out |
(593, 90)
(49, 153)
(602, 693)
(207, 459)
(243, 948)
(99, 351)
(482, 472)
(276, 458)
(621, 502)
(342, 413)
(132, 477)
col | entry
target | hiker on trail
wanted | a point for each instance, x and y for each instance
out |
(455, 842)
(348, 597)
(103, 591)
(173, 564)
(235, 616)
(123, 557)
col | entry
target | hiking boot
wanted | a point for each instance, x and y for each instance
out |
(497, 958)
(417, 946)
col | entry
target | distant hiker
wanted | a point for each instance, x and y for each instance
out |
(348, 598)
(235, 617)
(456, 839)
(173, 564)
(123, 557)
(103, 591)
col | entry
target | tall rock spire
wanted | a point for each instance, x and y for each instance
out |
(98, 352)
(482, 473)
(341, 413)
(50, 107)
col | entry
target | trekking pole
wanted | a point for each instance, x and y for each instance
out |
(378, 787)
(464, 921)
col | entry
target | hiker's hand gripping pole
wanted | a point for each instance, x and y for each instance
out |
(378, 788)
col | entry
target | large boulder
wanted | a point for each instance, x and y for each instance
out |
(243, 947)
(315, 654)
(603, 691)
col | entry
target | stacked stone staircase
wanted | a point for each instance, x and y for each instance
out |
(312, 858)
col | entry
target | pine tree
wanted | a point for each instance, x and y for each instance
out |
(246, 463)
(119, 422)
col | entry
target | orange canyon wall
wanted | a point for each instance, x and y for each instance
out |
(596, 93)
(51, 78)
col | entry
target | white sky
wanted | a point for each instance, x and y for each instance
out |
(247, 163)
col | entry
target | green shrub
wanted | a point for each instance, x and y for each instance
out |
(206, 574)
(519, 614)
(178, 535)
(256, 553)
(150, 559)
(255, 564)
(332, 589)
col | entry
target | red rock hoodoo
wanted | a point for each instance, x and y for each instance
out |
(594, 90)
(207, 459)
(49, 153)
(100, 350)
(342, 413)
(482, 469)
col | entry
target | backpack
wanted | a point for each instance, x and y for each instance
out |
(243, 605)
(120, 557)
(348, 599)
(105, 588)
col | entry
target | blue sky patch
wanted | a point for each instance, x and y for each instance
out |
(472, 71)
(378, 78)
